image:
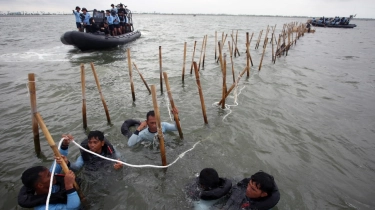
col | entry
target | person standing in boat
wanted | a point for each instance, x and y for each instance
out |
(113, 8)
(109, 21)
(86, 20)
(122, 15)
(116, 23)
(78, 18)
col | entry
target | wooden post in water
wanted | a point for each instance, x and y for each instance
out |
(251, 60)
(236, 46)
(32, 92)
(83, 85)
(221, 56)
(161, 71)
(268, 29)
(200, 56)
(100, 93)
(144, 81)
(183, 64)
(176, 118)
(233, 85)
(215, 43)
(200, 92)
(224, 82)
(192, 60)
(247, 55)
(55, 150)
(264, 50)
(222, 45)
(130, 74)
(273, 51)
(231, 59)
(204, 53)
(158, 123)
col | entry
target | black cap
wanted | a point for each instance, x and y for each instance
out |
(77, 7)
(112, 5)
(84, 9)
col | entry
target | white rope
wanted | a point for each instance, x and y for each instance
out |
(137, 166)
(168, 104)
(52, 176)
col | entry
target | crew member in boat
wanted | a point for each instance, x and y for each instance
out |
(36, 184)
(96, 143)
(207, 189)
(147, 130)
(116, 24)
(78, 18)
(86, 20)
(257, 192)
(109, 21)
(113, 8)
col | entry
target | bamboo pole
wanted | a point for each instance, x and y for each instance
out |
(161, 71)
(224, 81)
(264, 50)
(32, 92)
(130, 75)
(236, 46)
(204, 53)
(233, 85)
(158, 123)
(192, 60)
(176, 118)
(100, 93)
(215, 44)
(83, 84)
(200, 93)
(140, 74)
(183, 65)
(231, 59)
(247, 55)
(251, 60)
(268, 29)
(273, 51)
(55, 150)
(222, 46)
(221, 57)
(232, 47)
(200, 56)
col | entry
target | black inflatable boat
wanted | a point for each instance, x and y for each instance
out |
(89, 41)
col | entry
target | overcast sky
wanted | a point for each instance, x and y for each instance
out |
(363, 8)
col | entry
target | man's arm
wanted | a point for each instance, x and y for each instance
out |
(168, 127)
(137, 135)
(77, 165)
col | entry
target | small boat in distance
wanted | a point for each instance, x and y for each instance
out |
(98, 40)
(335, 22)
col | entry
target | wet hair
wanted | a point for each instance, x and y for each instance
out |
(31, 176)
(209, 178)
(96, 134)
(150, 113)
(107, 11)
(264, 182)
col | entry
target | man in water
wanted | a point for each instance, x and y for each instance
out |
(143, 134)
(36, 181)
(78, 18)
(96, 143)
(257, 192)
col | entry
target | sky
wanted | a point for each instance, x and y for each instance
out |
(311, 8)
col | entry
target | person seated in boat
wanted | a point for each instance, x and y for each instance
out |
(113, 8)
(94, 27)
(36, 184)
(109, 21)
(78, 18)
(96, 143)
(86, 20)
(147, 130)
(207, 189)
(105, 28)
(116, 23)
(257, 192)
(308, 26)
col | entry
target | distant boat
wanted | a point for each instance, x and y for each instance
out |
(98, 40)
(194, 15)
(335, 22)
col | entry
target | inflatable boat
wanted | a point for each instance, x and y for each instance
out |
(97, 41)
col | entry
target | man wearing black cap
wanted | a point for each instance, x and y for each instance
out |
(78, 18)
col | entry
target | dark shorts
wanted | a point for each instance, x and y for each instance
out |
(117, 25)
(122, 23)
(79, 25)
(111, 27)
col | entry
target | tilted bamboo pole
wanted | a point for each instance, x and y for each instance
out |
(161, 71)
(183, 64)
(55, 150)
(192, 60)
(176, 118)
(200, 56)
(215, 44)
(144, 81)
(32, 92)
(224, 81)
(247, 54)
(264, 50)
(204, 53)
(158, 123)
(200, 92)
(231, 59)
(236, 46)
(233, 85)
(83, 82)
(100, 93)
